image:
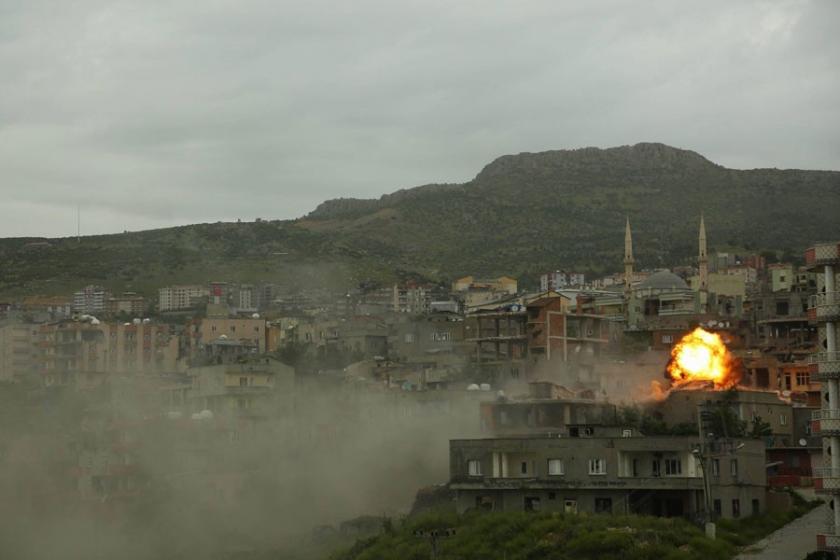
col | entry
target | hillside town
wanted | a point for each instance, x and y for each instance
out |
(556, 399)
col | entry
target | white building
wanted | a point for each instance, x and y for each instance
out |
(558, 280)
(90, 299)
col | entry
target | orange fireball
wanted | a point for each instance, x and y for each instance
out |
(702, 356)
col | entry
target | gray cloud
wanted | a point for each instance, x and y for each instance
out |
(158, 113)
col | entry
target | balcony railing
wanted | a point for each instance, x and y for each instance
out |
(827, 479)
(824, 306)
(828, 542)
(826, 421)
(822, 254)
(825, 365)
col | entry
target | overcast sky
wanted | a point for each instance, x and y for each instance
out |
(163, 112)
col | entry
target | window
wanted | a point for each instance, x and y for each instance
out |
(597, 466)
(673, 467)
(474, 467)
(552, 495)
(756, 506)
(667, 338)
(655, 468)
(717, 507)
(603, 505)
(523, 467)
(715, 467)
(736, 507)
(532, 503)
(570, 506)
(803, 378)
(626, 433)
(787, 381)
(409, 338)
(243, 381)
(733, 468)
(635, 467)
(556, 467)
(783, 419)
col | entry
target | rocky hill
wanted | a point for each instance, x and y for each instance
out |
(530, 212)
(521, 214)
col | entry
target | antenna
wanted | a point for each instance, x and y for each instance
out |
(78, 223)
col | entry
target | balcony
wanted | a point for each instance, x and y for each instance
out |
(827, 542)
(824, 307)
(823, 254)
(824, 365)
(827, 479)
(595, 482)
(825, 422)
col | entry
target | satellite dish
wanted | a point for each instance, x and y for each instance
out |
(803, 442)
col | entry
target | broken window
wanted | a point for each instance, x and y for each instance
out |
(532, 503)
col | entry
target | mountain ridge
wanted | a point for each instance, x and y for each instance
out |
(521, 214)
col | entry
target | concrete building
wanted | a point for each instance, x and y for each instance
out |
(179, 298)
(619, 473)
(824, 309)
(90, 300)
(245, 388)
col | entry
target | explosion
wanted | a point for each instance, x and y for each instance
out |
(702, 356)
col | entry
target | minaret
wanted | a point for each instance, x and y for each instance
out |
(703, 265)
(628, 261)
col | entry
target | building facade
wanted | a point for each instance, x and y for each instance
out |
(824, 309)
(618, 474)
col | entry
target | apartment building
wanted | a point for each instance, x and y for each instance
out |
(129, 303)
(90, 300)
(559, 280)
(611, 471)
(824, 309)
(17, 351)
(178, 298)
(85, 353)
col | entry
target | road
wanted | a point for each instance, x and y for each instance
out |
(792, 542)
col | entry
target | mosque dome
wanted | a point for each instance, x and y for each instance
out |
(664, 280)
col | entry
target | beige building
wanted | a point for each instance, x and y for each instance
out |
(782, 277)
(17, 351)
(730, 285)
(85, 352)
(504, 284)
(251, 331)
(176, 298)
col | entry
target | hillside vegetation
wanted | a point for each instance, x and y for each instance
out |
(555, 536)
(522, 214)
